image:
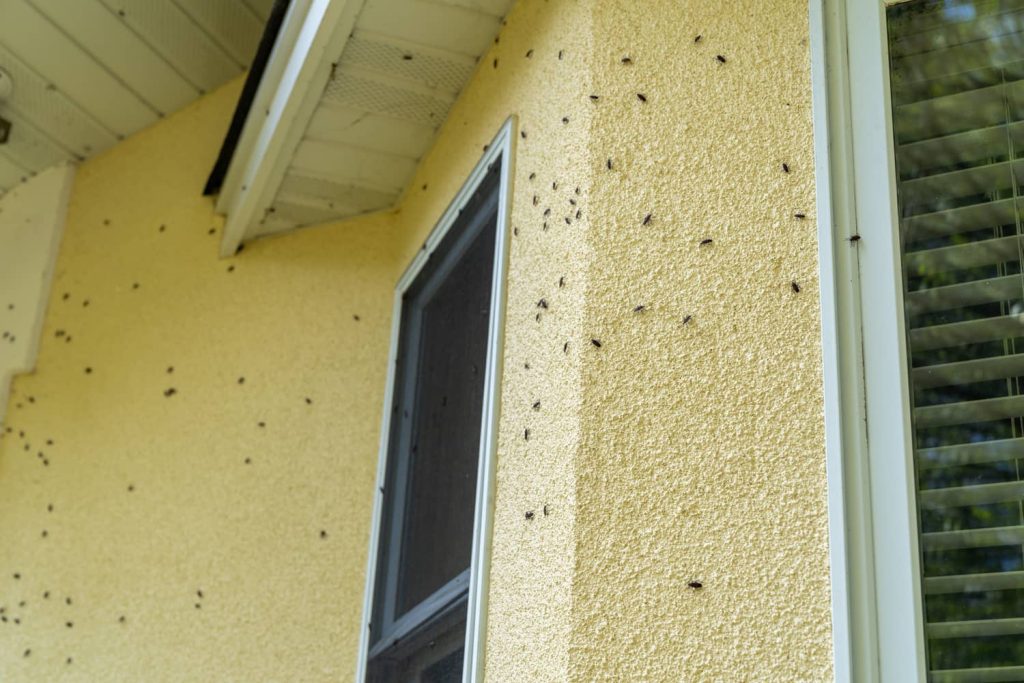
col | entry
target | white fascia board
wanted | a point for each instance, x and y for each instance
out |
(312, 39)
(269, 84)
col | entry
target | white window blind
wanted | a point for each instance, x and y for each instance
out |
(957, 80)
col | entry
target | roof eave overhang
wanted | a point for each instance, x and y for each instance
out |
(313, 34)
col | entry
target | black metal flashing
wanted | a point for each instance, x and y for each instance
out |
(252, 84)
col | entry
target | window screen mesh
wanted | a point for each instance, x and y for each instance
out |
(957, 79)
(445, 423)
(433, 452)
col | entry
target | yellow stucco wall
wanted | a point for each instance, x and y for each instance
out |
(543, 74)
(152, 497)
(676, 452)
(703, 454)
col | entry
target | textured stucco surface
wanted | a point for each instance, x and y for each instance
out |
(676, 451)
(152, 497)
(703, 452)
(539, 70)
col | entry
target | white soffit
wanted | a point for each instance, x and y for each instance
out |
(87, 73)
(376, 90)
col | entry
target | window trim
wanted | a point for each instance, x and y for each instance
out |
(876, 593)
(501, 150)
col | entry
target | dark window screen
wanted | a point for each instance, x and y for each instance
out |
(447, 670)
(434, 447)
(438, 528)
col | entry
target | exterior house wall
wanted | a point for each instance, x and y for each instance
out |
(153, 499)
(682, 449)
(678, 451)
(703, 452)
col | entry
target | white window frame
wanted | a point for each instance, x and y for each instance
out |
(876, 594)
(501, 151)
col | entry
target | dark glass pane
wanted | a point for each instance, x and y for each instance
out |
(957, 75)
(434, 443)
(447, 670)
(445, 446)
(431, 654)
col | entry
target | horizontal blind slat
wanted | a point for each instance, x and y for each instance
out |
(994, 674)
(952, 59)
(967, 332)
(973, 583)
(968, 371)
(916, 22)
(980, 494)
(961, 256)
(967, 412)
(974, 629)
(956, 112)
(984, 291)
(968, 147)
(959, 219)
(970, 182)
(947, 35)
(972, 538)
(970, 453)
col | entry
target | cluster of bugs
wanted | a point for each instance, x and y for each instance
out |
(647, 220)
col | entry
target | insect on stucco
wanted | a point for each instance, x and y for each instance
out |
(795, 287)
(706, 241)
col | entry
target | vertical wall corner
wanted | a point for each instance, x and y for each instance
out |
(31, 224)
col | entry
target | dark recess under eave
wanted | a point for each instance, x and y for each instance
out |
(245, 100)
